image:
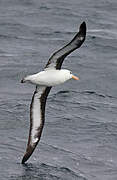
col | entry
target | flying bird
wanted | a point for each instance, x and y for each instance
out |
(52, 75)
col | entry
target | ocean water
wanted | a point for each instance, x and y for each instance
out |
(79, 140)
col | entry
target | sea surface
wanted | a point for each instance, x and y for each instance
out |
(79, 140)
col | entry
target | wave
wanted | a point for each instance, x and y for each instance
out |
(88, 92)
(43, 171)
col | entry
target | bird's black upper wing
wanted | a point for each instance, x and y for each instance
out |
(58, 57)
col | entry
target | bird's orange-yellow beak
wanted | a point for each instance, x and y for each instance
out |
(75, 77)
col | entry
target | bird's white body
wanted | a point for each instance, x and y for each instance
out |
(49, 77)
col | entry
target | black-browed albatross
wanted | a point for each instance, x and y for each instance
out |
(44, 80)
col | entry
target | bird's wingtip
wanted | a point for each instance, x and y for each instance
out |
(28, 153)
(25, 158)
(83, 26)
(82, 31)
(23, 161)
(83, 23)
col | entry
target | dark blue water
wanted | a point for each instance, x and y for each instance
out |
(79, 140)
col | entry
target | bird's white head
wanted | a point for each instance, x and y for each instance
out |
(68, 75)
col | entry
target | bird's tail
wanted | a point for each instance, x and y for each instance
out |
(22, 81)
(27, 78)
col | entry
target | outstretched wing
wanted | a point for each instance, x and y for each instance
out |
(37, 118)
(37, 107)
(58, 57)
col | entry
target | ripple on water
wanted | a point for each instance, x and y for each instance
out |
(46, 172)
